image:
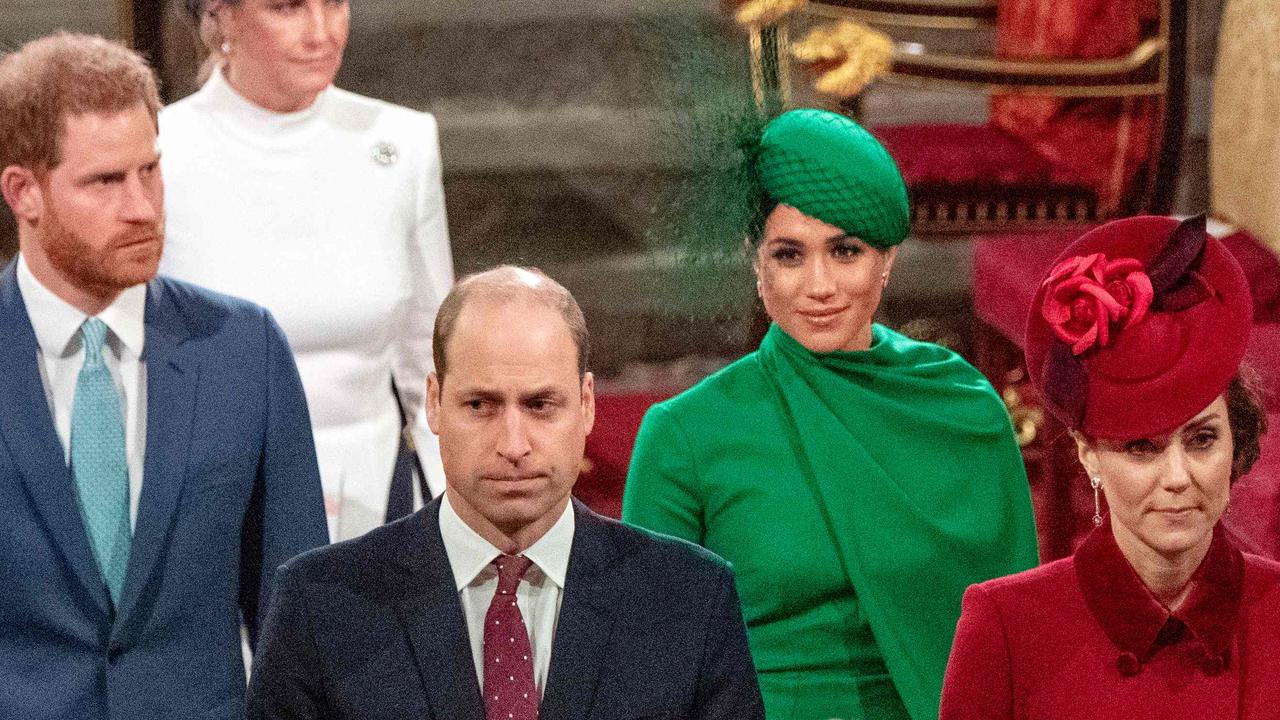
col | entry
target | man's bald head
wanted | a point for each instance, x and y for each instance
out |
(508, 284)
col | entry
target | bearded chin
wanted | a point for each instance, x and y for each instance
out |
(102, 270)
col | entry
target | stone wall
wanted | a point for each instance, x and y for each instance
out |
(546, 112)
(21, 20)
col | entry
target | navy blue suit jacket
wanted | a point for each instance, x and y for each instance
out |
(372, 628)
(230, 489)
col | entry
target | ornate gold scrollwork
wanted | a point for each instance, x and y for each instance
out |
(1027, 418)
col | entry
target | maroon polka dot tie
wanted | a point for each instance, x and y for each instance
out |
(509, 692)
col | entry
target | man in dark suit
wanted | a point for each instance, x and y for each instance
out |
(503, 598)
(156, 461)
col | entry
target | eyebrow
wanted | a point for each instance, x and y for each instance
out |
(103, 175)
(1201, 422)
(467, 394)
(547, 391)
(784, 240)
(112, 173)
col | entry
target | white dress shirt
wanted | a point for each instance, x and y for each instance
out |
(538, 596)
(60, 355)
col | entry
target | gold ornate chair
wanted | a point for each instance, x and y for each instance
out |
(1010, 174)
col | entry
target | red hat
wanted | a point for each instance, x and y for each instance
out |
(1139, 326)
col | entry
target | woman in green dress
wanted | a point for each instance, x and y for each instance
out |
(858, 480)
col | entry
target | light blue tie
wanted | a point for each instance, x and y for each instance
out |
(98, 460)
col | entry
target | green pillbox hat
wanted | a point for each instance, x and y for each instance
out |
(826, 166)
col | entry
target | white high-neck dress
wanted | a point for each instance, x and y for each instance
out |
(333, 218)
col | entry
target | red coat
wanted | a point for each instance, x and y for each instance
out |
(1083, 638)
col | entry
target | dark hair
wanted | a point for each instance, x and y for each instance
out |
(764, 208)
(1247, 417)
(506, 283)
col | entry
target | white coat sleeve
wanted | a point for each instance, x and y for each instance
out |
(431, 275)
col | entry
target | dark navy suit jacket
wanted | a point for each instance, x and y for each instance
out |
(372, 628)
(230, 489)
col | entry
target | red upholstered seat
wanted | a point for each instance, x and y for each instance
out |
(1254, 514)
(1262, 268)
(608, 451)
(1263, 356)
(1008, 268)
(1085, 96)
(1254, 517)
(963, 155)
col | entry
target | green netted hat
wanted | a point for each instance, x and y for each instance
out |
(828, 167)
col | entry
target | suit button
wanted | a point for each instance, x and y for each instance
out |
(113, 654)
(1128, 664)
(1212, 665)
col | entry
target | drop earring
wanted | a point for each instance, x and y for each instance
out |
(226, 47)
(1096, 482)
(884, 279)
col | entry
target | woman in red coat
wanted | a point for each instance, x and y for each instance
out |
(1135, 342)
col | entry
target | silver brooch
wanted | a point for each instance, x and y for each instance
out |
(384, 153)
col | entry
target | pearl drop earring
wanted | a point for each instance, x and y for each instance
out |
(1096, 482)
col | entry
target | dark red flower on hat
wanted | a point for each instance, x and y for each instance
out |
(1088, 298)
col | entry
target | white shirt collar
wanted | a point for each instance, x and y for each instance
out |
(56, 322)
(470, 554)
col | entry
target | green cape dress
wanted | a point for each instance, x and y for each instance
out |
(857, 495)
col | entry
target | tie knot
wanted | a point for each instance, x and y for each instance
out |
(93, 333)
(511, 568)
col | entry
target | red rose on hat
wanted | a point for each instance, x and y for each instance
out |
(1087, 295)
(1175, 328)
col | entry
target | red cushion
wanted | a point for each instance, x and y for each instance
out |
(1007, 269)
(963, 155)
(1262, 268)
(608, 451)
(1263, 356)
(1254, 514)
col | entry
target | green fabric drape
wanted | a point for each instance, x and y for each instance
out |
(857, 495)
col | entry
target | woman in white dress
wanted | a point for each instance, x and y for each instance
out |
(327, 208)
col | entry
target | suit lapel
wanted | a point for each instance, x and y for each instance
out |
(30, 436)
(432, 615)
(586, 620)
(172, 380)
